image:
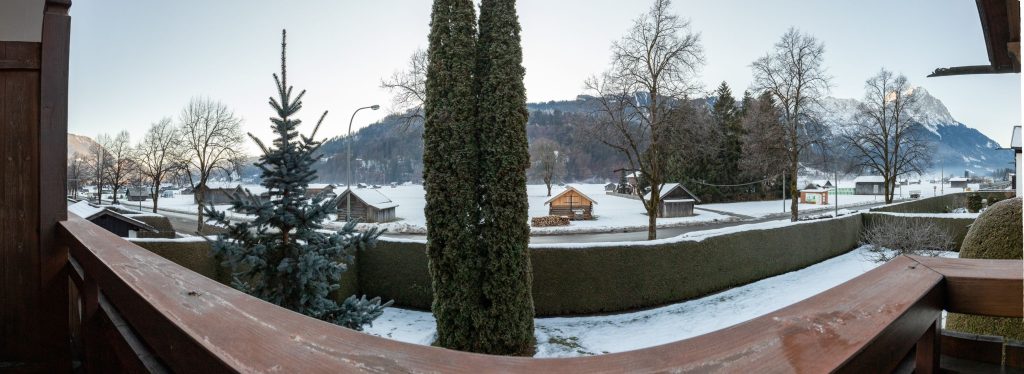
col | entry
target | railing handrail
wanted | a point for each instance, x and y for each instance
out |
(867, 324)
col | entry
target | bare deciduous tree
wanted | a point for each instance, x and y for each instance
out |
(885, 139)
(409, 87)
(891, 238)
(794, 74)
(548, 161)
(212, 138)
(99, 161)
(653, 68)
(78, 173)
(158, 154)
(122, 164)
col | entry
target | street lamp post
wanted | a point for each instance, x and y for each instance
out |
(348, 188)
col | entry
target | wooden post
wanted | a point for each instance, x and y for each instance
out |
(34, 319)
(928, 353)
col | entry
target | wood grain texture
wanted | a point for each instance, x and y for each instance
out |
(19, 240)
(865, 325)
(982, 287)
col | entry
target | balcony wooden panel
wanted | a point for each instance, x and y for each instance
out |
(982, 287)
(873, 323)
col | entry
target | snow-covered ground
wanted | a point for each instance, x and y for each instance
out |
(578, 336)
(612, 213)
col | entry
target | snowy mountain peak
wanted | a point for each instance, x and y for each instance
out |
(930, 111)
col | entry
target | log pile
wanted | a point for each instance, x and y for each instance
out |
(546, 221)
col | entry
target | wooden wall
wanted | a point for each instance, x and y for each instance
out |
(33, 124)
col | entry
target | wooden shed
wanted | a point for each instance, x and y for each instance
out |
(571, 203)
(958, 182)
(368, 205)
(216, 195)
(814, 196)
(117, 223)
(138, 193)
(869, 185)
(676, 201)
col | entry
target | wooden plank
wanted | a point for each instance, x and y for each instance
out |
(927, 350)
(971, 347)
(982, 287)
(52, 171)
(19, 246)
(865, 325)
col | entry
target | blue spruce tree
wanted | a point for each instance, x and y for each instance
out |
(284, 255)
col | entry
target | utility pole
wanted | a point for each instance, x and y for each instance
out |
(784, 185)
(836, 197)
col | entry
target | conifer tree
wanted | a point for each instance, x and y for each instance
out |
(507, 305)
(727, 118)
(450, 175)
(284, 255)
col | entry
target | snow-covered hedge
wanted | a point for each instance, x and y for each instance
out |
(939, 204)
(623, 276)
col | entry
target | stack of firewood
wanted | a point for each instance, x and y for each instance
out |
(546, 221)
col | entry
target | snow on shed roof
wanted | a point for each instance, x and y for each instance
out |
(84, 209)
(668, 187)
(88, 212)
(869, 179)
(372, 198)
(566, 190)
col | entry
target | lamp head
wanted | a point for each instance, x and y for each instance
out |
(375, 107)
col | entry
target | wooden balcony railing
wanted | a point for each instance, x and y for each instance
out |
(134, 310)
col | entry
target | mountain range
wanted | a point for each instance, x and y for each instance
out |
(957, 146)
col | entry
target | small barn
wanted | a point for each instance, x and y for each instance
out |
(138, 193)
(216, 195)
(368, 205)
(610, 187)
(814, 196)
(869, 185)
(117, 223)
(316, 188)
(571, 203)
(676, 201)
(958, 182)
(822, 183)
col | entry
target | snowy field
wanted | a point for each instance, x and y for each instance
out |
(580, 336)
(612, 213)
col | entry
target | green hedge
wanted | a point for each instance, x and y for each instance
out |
(569, 281)
(606, 279)
(939, 204)
(955, 226)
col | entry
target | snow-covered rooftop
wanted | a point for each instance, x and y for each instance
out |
(84, 209)
(869, 179)
(667, 188)
(373, 198)
(957, 179)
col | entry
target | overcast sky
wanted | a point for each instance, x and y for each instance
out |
(133, 62)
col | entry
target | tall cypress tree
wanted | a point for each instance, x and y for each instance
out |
(283, 255)
(450, 175)
(507, 305)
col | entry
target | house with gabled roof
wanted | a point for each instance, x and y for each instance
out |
(110, 219)
(367, 205)
(675, 201)
(571, 203)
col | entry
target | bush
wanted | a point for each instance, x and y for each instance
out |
(893, 238)
(974, 203)
(996, 234)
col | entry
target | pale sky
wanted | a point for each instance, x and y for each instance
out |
(133, 62)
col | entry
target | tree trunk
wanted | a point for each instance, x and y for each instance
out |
(156, 195)
(548, 183)
(115, 196)
(652, 224)
(199, 213)
(794, 214)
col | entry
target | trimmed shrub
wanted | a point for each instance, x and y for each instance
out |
(974, 204)
(996, 234)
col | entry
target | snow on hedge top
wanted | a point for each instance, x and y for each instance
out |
(957, 179)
